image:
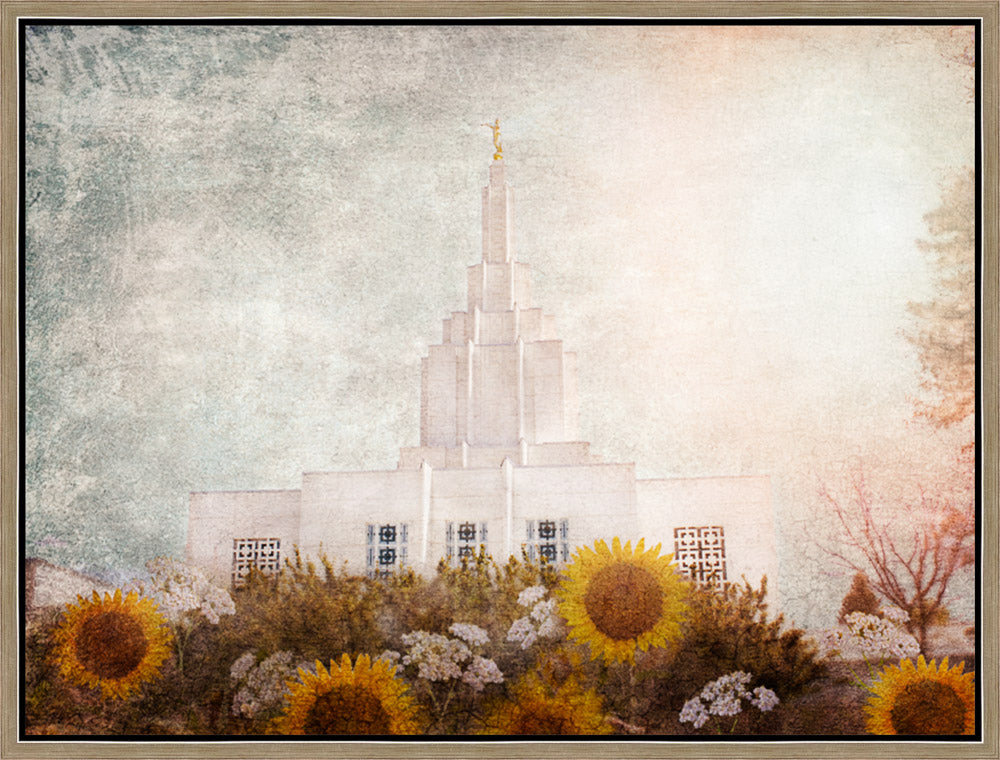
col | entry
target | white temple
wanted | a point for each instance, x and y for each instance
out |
(499, 465)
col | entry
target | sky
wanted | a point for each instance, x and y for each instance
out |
(241, 240)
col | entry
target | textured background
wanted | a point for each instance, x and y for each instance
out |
(241, 240)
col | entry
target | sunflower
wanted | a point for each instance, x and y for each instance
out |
(536, 707)
(617, 600)
(113, 643)
(923, 699)
(365, 699)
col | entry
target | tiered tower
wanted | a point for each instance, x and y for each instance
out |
(500, 384)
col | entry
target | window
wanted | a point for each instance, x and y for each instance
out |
(464, 539)
(702, 553)
(547, 539)
(263, 554)
(386, 547)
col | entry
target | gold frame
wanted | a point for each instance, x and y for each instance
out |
(11, 10)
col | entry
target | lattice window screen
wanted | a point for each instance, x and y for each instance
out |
(701, 551)
(263, 554)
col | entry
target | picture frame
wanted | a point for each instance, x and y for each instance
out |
(15, 744)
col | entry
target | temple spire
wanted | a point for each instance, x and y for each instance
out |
(498, 222)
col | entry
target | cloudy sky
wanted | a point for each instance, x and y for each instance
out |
(241, 240)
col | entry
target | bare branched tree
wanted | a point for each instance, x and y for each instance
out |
(911, 554)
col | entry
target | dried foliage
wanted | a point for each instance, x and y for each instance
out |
(859, 598)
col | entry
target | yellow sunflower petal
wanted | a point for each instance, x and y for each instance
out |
(349, 700)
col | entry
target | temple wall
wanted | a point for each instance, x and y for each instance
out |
(216, 518)
(741, 505)
(336, 506)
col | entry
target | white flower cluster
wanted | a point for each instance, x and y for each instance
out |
(878, 638)
(480, 672)
(723, 697)
(261, 685)
(764, 699)
(540, 623)
(390, 656)
(694, 712)
(441, 658)
(472, 635)
(179, 589)
(896, 615)
(437, 657)
(531, 596)
(242, 665)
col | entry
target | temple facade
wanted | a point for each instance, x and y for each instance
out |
(499, 465)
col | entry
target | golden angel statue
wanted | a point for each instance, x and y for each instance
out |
(495, 126)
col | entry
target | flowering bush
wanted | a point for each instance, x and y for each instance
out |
(443, 662)
(441, 658)
(723, 698)
(878, 638)
(260, 686)
(185, 596)
(472, 635)
(541, 622)
(501, 664)
(184, 592)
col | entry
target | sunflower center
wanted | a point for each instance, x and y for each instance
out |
(928, 707)
(347, 709)
(111, 644)
(623, 600)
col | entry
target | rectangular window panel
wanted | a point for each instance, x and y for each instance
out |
(263, 554)
(701, 552)
(387, 547)
(547, 539)
(463, 540)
